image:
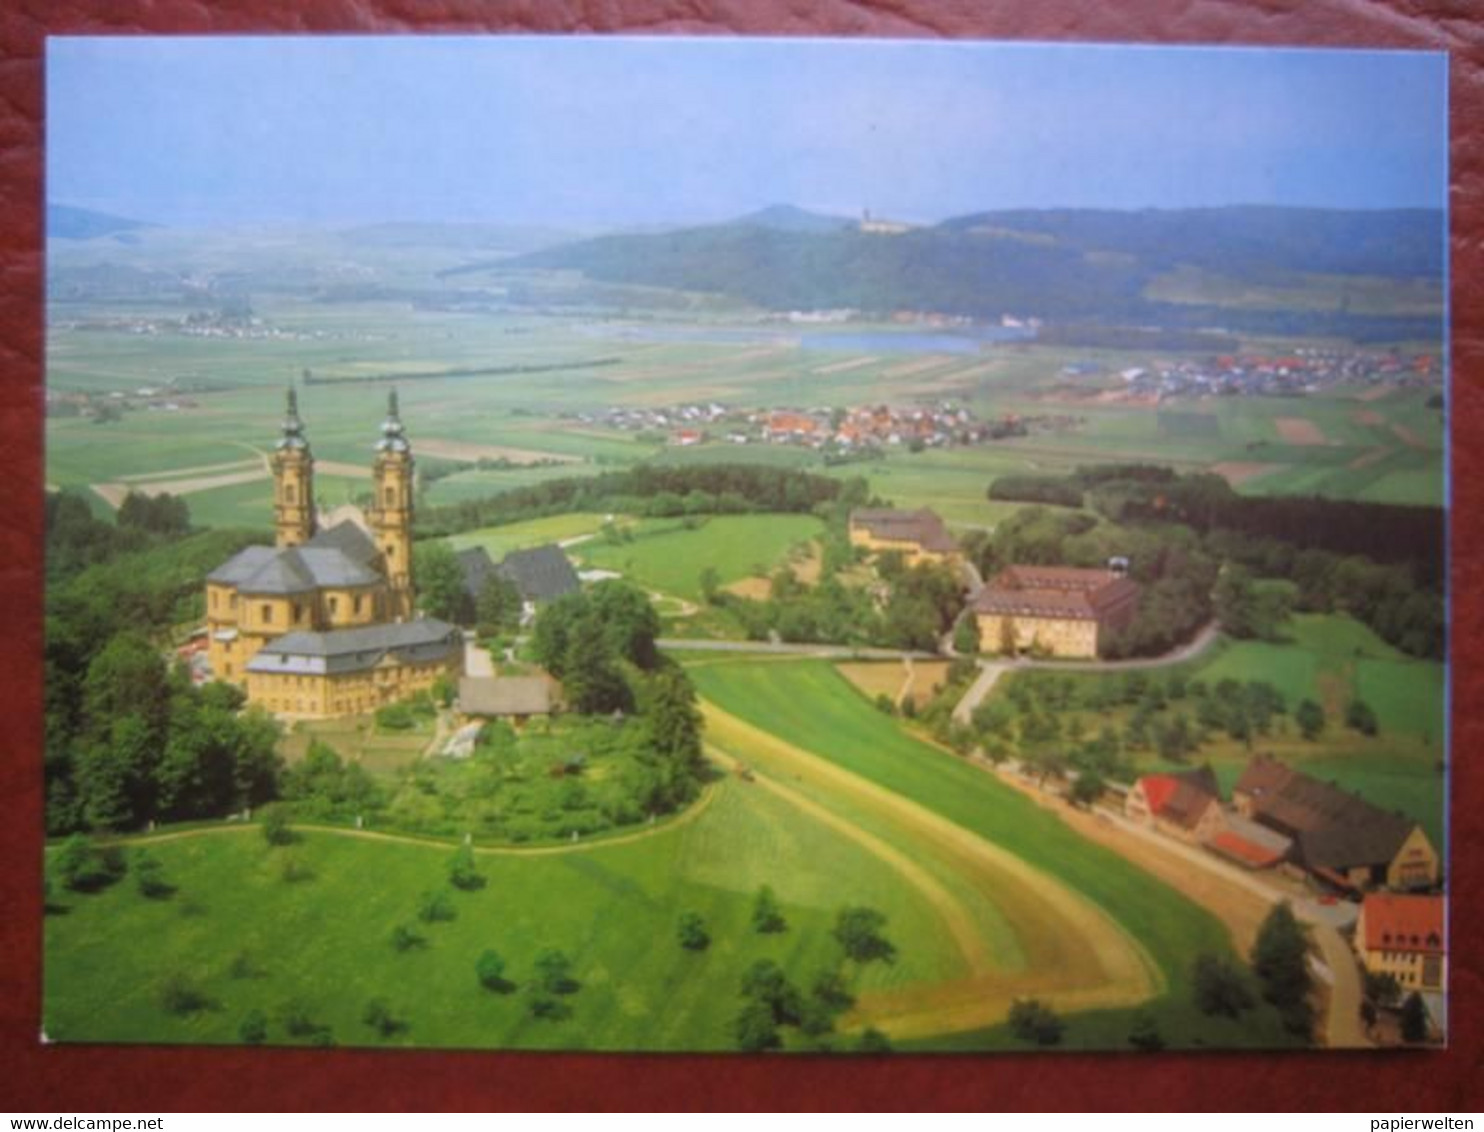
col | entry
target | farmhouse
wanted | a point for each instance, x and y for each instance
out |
(1055, 609)
(1337, 836)
(322, 623)
(919, 536)
(1403, 936)
(1186, 806)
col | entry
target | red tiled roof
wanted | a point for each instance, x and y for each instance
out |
(1157, 790)
(1233, 845)
(1396, 922)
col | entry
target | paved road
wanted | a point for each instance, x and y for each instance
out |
(830, 652)
(989, 675)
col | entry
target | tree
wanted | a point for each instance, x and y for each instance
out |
(440, 583)
(404, 938)
(498, 607)
(378, 1015)
(765, 982)
(1087, 789)
(755, 1028)
(710, 582)
(630, 622)
(873, 1040)
(462, 872)
(149, 876)
(78, 865)
(490, 968)
(276, 829)
(767, 916)
(1280, 959)
(435, 907)
(830, 991)
(1310, 718)
(1144, 1036)
(1034, 1021)
(1414, 1019)
(1360, 716)
(966, 635)
(692, 932)
(1220, 987)
(591, 677)
(254, 1028)
(1382, 989)
(554, 972)
(858, 932)
(1247, 610)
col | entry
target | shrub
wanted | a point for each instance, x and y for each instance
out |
(692, 932)
(490, 968)
(254, 1028)
(180, 996)
(767, 916)
(395, 717)
(405, 939)
(149, 877)
(378, 1015)
(462, 873)
(276, 829)
(1034, 1021)
(1220, 988)
(436, 907)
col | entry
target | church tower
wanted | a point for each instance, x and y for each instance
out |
(391, 513)
(293, 481)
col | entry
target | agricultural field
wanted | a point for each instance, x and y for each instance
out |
(1062, 913)
(500, 541)
(669, 555)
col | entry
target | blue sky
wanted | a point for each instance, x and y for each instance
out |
(592, 132)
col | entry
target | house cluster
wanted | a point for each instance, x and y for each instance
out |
(1053, 610)
(1253, 375)
(539, 574)
(1280, 818)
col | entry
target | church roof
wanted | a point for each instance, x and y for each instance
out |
(540, 574)
(293, 570)
(349, 538)
(355, 650)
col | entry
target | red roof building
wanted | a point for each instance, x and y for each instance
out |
(1404, 936)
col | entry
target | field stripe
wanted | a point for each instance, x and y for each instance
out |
(1079, 953)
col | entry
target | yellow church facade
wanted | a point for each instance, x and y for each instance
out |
(321, 623)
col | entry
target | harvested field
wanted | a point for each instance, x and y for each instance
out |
(335, 468)
(187, 473)
(876, 678)
(1297, 430)
(845, 366)
(1237, 472)
(1410, 438)
(1375, 394)
(1367, 417)
(921, 365)
(462, 450)
(1366, 459)
(113, 493)
(927, 677)
(754, 589)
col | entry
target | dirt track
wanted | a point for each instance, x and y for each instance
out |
(1298, 431)
(1077, 956)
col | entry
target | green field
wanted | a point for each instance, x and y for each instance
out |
(819, 711)
(500, 541)
(325, 941)
(669, 557)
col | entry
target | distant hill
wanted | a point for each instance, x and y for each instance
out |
(511, 239)
(788, 218)
(64, 222)
(1063, 265)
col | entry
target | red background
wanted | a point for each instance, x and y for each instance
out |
(52, 1079)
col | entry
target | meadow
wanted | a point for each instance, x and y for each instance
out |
(669, 555)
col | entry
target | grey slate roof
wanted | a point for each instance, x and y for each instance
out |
(355, 650)
(540, 574)
(477, 566)
(347, 538)
(294, 570)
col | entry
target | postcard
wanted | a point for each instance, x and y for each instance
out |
(631, 544)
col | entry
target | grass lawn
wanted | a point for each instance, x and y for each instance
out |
(669, 557)
(817, 709)
(500, 541)
(324, 941)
